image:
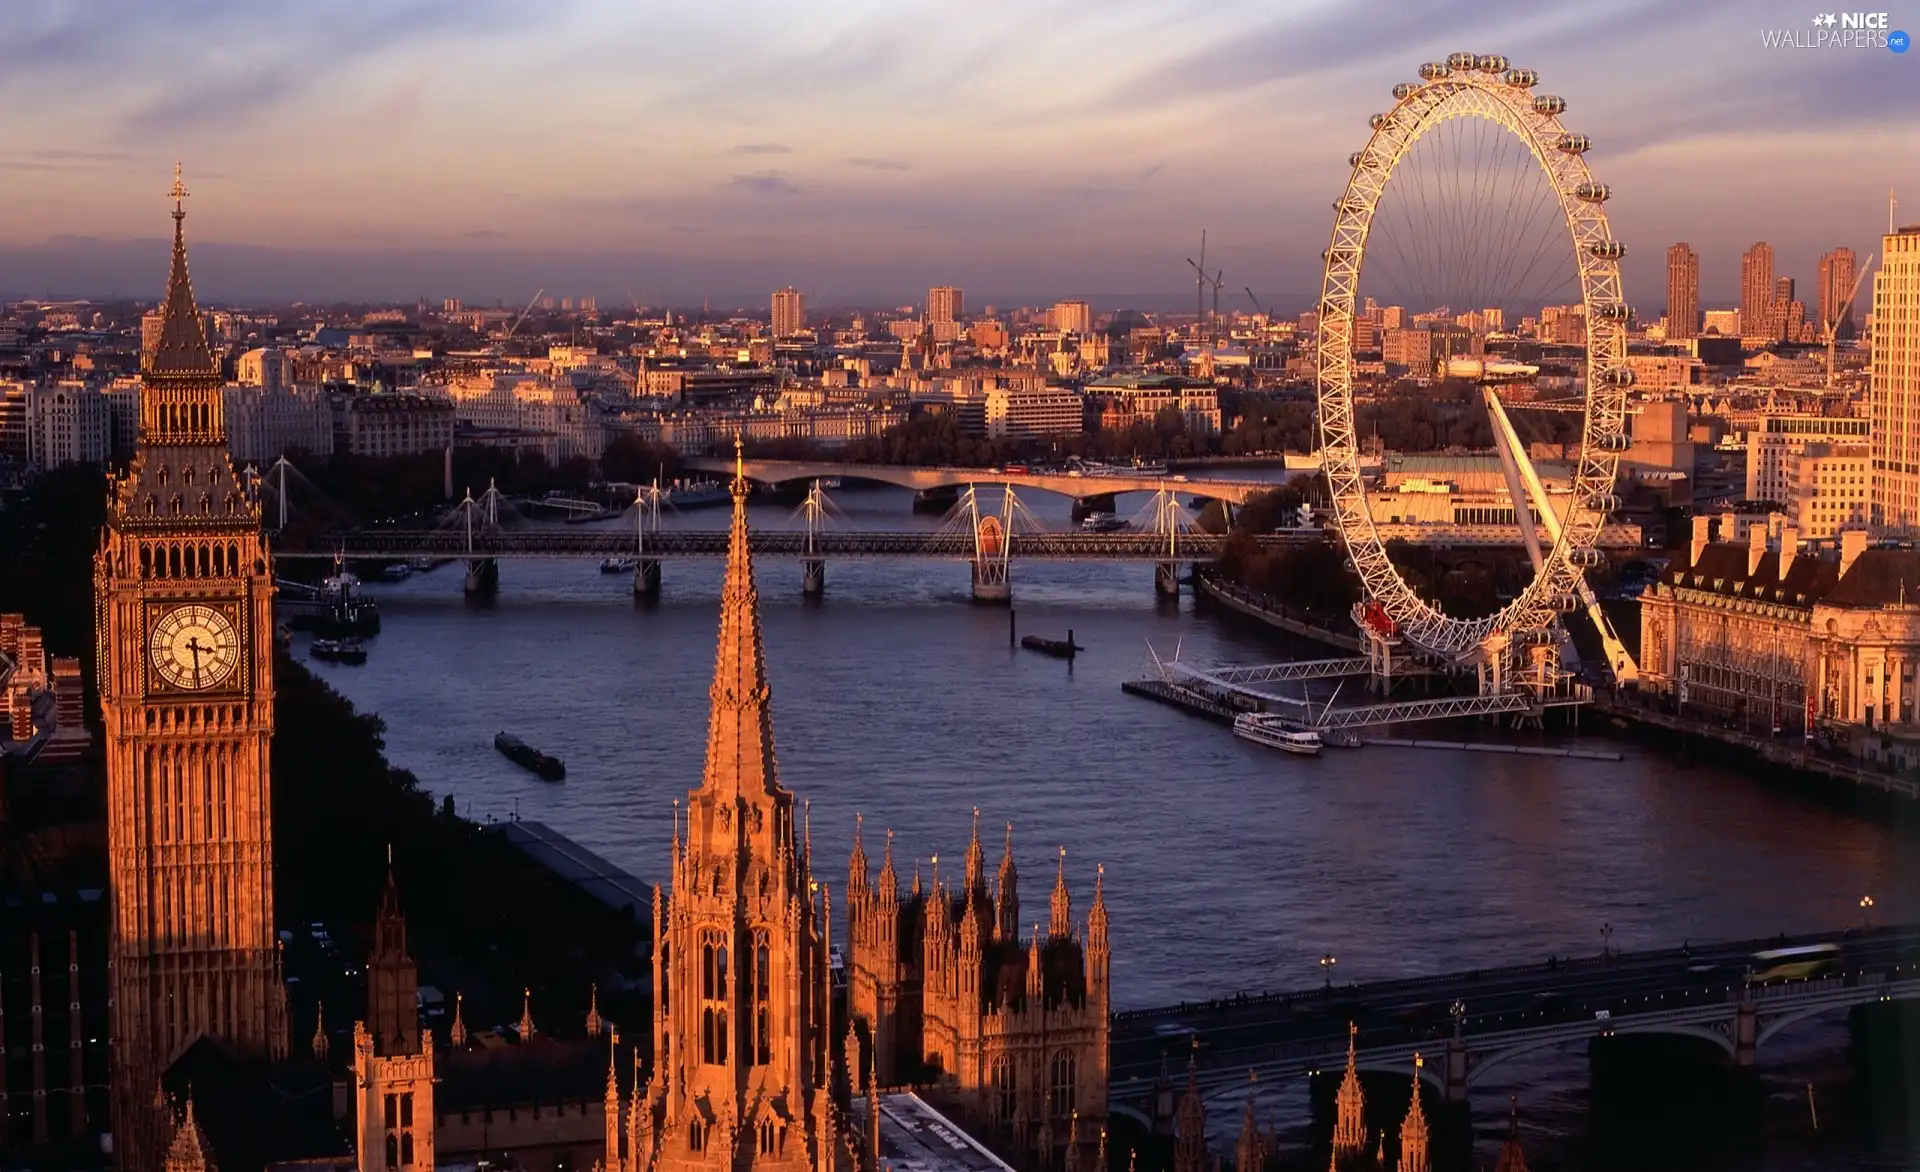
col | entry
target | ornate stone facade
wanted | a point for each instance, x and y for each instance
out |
(1014, 1032)
(183, 589)
(1772, 638)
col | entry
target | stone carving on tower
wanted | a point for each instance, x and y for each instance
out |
(1013, 1034)
(393, 1059)
(742, 1070)
(183, 599)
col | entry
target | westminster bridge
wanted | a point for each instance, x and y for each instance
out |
(1466, 1024)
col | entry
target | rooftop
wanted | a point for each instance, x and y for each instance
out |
(916, 1138)
(581, 867)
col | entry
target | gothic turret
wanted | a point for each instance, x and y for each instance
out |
(393, 1001)
(857, 865)
(526, 1016)
(1006, 895)
(1190, 1126)
(319, 1044)
(976, 862)
(610, 1108)
(594, 1021)
(1511, 1157)
(457, 1032)
(1062, 924)
(1255, 1147)
(1349, 1126)
(1413, 1130)
(188, 1151)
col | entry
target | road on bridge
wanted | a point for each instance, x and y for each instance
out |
(1230, 1035)
(573, 542)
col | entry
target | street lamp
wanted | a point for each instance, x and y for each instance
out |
(1459, 1012)
(1326, 967)
(1606, 941)
(1866, 911)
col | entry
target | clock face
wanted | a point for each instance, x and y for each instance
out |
(194, 647)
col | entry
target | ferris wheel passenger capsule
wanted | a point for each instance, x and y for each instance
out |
(1603, 502)
(1462, 61)
(1615, 441)
(1614, 311)
(1592, 192)
(1522, 78)
(1573, 144)
(1566, 603)
(1434, 70)
(1403, 90)
(1586, 557)
(1552, 104)
(1607, 249)
(1376, 122)
(1493, 63)
(1353, 160)
(1617, 376)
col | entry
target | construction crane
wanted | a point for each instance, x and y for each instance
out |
(515, 327)
(1829, 328)
(1200, 285)
(1256, 304)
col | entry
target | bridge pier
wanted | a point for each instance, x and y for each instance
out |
(1456, 1070)
(991, 583)
(1102, 502)
(813, 577)
(646, 578)
(1746, 1034)
(1166, 579)
(483, 578)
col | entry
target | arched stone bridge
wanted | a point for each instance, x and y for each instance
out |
(923, 479)
(1699, 992)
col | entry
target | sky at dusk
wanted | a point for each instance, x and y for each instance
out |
(862, 150)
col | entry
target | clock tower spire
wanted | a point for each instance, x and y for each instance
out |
(183, 590)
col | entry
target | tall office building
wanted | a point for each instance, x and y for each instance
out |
(1683, 293)
(1756, 289)
(1071, 317)
(1895, 393)
(789, 312)
(1836, 284)
(945, 304)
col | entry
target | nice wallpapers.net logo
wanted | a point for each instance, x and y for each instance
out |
(1840, 30)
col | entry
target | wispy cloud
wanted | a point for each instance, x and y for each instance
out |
(765, 183)
(761, 148)
(876, 163)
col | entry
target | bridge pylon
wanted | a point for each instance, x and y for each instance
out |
(992, 548)
(646, 518)
(1169, 520)
(483, 573)
(813, 566)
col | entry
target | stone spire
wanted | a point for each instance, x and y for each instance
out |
(182, 349)
(976, 860)
(740, 758)
(1006, 896)
(1097, 916)
(889, 881)
(873, 1113)
(1511, 1158)
(1190, 1125)
(526, 1014)
(319, 1031)
(188, 1151)
(594, 1021)
(1413, 1130)
(1062, 924)
(457, 1032)
(1251, 1152)
(1349, 1126)
(393, 981)
(857, 861)
(610, 1108)
(1072, 1162)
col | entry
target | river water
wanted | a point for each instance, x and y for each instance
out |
(1228, 866)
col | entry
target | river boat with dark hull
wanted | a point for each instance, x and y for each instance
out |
(547, 767)
(1103, 523)
(347, 650)
(698, 496)
(619, 565)
(1058, 648)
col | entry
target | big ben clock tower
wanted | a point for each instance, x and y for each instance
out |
(183, 597)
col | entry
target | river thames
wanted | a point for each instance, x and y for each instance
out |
(1228, 866)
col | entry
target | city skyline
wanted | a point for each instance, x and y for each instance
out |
(997, 164)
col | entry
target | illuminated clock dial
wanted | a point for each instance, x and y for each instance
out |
(194, 647)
